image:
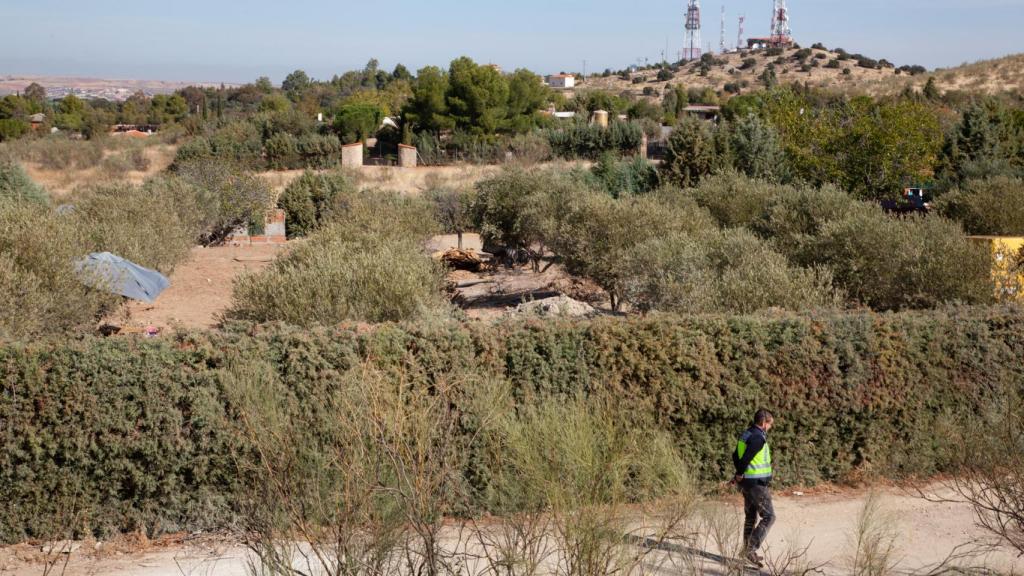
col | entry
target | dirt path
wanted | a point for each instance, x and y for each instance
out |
(927, 533)
(201, 287)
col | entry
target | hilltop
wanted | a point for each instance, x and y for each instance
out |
(817, 67)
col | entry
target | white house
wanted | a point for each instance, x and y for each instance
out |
(562, 81)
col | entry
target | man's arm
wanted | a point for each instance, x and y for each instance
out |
(754, 445)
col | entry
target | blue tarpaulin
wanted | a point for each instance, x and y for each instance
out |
(115, 274)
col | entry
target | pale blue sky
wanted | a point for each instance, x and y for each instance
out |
(213, 40)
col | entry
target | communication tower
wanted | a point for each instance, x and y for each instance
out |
(781, 35)
(691, 48)
(721, 39)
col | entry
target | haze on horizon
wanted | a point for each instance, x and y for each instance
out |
(218, 41)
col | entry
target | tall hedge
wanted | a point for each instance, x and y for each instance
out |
(139, 434)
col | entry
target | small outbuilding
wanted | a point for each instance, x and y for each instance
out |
(562, 81)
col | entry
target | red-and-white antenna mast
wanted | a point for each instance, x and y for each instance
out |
(691, 49)
(781, 34)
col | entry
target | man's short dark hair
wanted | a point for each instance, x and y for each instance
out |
(762, 416)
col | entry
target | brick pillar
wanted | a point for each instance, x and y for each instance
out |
(406, 156)
(275, 226)
(352, 155)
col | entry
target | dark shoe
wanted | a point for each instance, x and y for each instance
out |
(753, 558)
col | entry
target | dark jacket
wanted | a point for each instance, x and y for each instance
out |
(756, 439)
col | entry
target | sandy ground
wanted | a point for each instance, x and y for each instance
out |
(60, 183)
(824, 524)
(201, 287)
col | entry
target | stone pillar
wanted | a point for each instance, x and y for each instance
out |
(643, 146)
(407, 156)
(352, 155)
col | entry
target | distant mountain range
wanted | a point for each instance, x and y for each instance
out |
(117, 90)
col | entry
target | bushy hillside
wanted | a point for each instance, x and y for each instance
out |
(817, 67)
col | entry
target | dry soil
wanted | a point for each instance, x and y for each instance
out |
(823, 524)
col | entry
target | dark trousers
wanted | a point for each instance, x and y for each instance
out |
(757, 502)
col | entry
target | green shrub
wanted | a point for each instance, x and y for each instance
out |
(582, 140)
(453, 209)
(141, 224)
(16, 185)
(310, 201)
(516, 209)
(142, 434)
(598, 234)
(357, 122)
(794, 217)
(238, 143)
(59, 153)
(381, 215)
(42, 293)
(192, 150)
(530, 148)
(12, 129)
(991, 207)
(575, 470)
(625, 177)
(335, 277)
(122, 438)
(475, 148)
(690, 153)
(138, 159)
(116, 167)
(338, 474)
(734, 199)
(319, 151)
(25, 301)
(726, 272)
(757, 149)
(891, 264)
(282, 151)
(367, 265)
(219, 196)
(285, 121)
(430, 149)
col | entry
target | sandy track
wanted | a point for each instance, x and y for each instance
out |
(928, 532)
(201, 287)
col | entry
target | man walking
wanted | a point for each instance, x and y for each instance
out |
(753, 462)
